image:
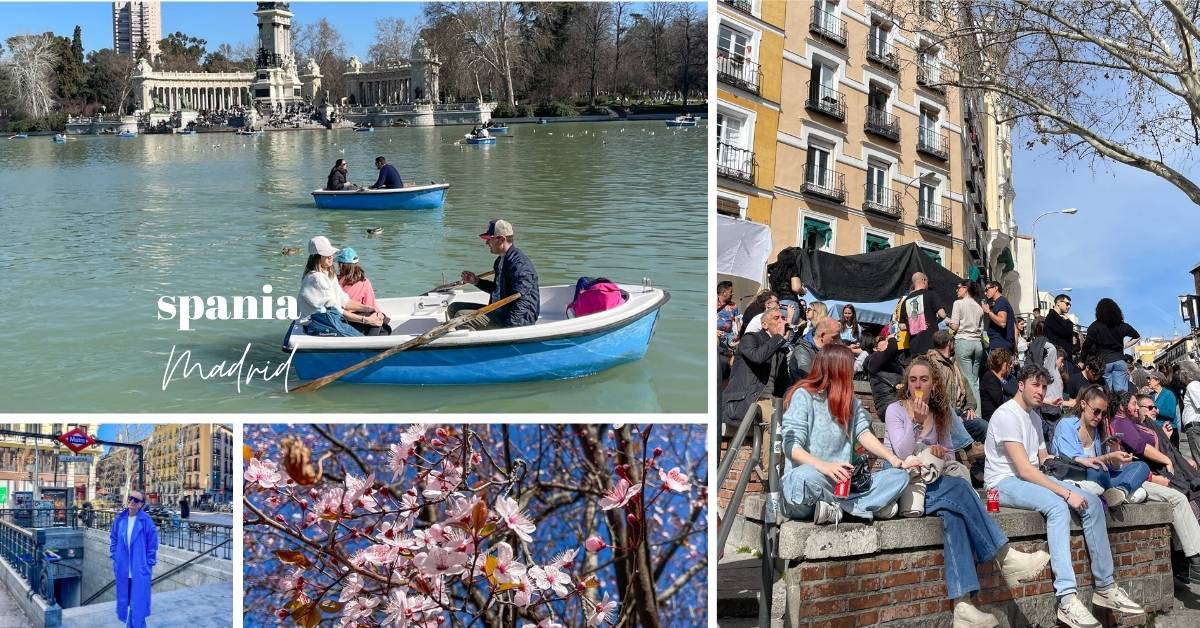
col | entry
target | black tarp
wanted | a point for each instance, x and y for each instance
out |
(867, 278)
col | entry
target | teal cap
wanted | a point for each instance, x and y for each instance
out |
(347, 256)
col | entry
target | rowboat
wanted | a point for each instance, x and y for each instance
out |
(188, 132)
(478, 140)
(60, 138)
(498, 130)
(416, 197)
(555, 348)
(19, 136)
(127, 134)
(248, 132)
(683, 121)
(364, 129)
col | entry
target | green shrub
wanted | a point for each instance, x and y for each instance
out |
(596, 111)
(556, 109)
(525, 111)
(505, 110)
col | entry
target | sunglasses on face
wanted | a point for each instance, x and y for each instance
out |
(1148, 407)
(134, 500)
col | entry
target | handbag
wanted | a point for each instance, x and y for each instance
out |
(1060, 467)
(860, 478)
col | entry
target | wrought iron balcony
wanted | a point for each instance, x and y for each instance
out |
(882, 123)
(735, 163)
(927, 78)
(882, 201)
(824, 183)
(933, 143)
(881, 52)
(825, 100)
(745, 6)
(738, 71)
(828, 25)
(933, 216)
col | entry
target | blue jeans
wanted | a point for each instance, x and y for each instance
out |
(1116, 376)
(969, 354)
(804, 486)
(1129, 479)
(959, 436)
(1017, 493)
(969, 534)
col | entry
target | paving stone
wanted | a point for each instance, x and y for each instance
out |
(209, 606)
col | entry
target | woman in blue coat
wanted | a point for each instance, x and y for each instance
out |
(133, 549)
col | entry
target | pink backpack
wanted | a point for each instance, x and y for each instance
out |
(598, 296)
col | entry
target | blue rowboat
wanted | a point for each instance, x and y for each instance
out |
(364, 129)
(126, 134)
(188, 132)
(416, 197)
(498, 130)
(60, 138)
(555, 348)
(478, 140)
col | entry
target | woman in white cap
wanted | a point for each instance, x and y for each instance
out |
(324, 307)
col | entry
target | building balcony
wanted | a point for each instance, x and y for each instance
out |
(828, 26)
(926, 77)
(933, 217)
(738, 71)
(745, 6)
(882, 123)
(825, 100)
(933, 144)
(882, 201)
(735, 163)
(881, 53)
(824, 183)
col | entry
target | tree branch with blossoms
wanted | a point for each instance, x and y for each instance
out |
(488, 525)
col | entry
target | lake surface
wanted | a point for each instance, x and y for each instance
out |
(99, 228)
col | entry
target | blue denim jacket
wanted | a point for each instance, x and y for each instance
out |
(808, 423)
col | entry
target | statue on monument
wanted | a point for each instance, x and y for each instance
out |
(355, 64)
(143, 67)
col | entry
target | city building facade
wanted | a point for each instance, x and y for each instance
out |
(22, 459)
(193, 461)
(137, 25)
(116, 474)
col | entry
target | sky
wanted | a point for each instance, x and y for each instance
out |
(112, 431)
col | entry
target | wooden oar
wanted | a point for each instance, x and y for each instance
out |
(433, 334)
(455, 284)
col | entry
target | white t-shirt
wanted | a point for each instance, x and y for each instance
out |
(1191, 403)
(1009, 423)
(319, 292)
(129, 521)
(967, 314)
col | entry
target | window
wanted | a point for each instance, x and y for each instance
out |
(875, 242)
(877, 43)
(729, 129)
(816, 170)
(934, 255)
(929, 127)
(731, 206)
(927, 206)
(824, 15)
(877, 97)
(821, 230)
(734, 53)
(927, 64)
(877, 182)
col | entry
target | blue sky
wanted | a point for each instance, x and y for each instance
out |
(217, 22)
(112, 431)
(1134, 239)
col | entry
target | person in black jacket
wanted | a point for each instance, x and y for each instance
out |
(759, 368)
(337, 177)
(514, 273)
(993, 392)
(1060, 331)
(884, 372)
(1107, 338)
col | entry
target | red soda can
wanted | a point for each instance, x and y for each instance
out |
(842, 489)
(993, 500)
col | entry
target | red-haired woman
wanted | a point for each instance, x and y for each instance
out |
(821, 422)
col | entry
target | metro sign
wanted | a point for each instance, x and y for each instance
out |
(76, 440)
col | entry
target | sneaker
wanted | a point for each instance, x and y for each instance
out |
(827, 512)
(1017, 566)
(1139, 496)
(967, 616)
(1116, 599)
(1073, 613)
(1114, 497)
(889, 511)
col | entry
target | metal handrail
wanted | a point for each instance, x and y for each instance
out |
(829, 183)
(934, 143)
(739, 71)
(888, 203)
(825, 99)
(735, 162)
(828, 25)
(772, 507)
(753, 418)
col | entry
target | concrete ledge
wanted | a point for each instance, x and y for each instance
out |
(801, 540)
(40, 614)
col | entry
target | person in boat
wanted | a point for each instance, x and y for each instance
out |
(514, 274)
(337, 177)
(354, 281)
(479, 133)
(324, 307)
(389, 177)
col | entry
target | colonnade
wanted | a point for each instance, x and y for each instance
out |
(384, 92)
(200, 97)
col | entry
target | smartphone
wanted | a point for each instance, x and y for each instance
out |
(1113, 439)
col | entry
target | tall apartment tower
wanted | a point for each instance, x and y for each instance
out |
(136, 24)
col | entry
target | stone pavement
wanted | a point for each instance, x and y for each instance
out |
(11, 615)
(208, 606)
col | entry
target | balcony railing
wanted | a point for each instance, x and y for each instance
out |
(825, 100)
(933, 216)
(882, 123)
(735, 163)
(824, 183)
(738, 71)
(882, 201)
(933, 143)
(745, 6)
(828, 25)
(927, 77)
(881, 52)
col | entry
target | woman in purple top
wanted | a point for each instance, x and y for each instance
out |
(1144, 438)
(920, 419)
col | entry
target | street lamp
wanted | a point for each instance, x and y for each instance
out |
(1037, 297)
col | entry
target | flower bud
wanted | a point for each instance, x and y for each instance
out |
(658, 451)
(594, 544)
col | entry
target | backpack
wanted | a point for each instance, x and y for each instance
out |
(595, 295)
(1036, 351)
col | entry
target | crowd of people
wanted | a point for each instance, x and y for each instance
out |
(1047, 419)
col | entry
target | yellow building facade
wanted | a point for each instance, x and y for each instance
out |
(195, 461)
(749, 60)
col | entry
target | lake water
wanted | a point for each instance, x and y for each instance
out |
(99, 228)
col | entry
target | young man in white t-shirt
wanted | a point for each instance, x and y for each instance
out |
(1015, 449)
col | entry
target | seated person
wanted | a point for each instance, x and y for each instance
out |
(322, 300)
(337, 177)
(388, 176)
(354, 281)
(514, 273)
(1079, 438)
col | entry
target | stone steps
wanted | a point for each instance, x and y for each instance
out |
(209, 606)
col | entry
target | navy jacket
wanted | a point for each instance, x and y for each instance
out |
(516, 274)
(388, 178)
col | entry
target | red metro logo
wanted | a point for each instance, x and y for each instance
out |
(76, 440)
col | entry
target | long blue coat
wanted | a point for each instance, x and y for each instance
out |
(142, 553)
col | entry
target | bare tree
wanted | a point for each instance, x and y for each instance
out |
(323, 43)
(30, 71)
(393, 40)
(594, 28)
(689, 22)
(620, 10)
(489, 29)
(1116, 80)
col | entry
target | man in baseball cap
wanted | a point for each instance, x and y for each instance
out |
(514, 273)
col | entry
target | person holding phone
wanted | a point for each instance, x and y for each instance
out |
(1078, 438)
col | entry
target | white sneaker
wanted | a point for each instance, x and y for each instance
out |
(1117, 599)
(889, 511)
(967, 616)
(1114, 497)
(1139, 496)
(827, 512)
(1088, 486)
(1017, 566)
(1073, 613)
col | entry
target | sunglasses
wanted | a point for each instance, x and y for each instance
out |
(135, 500)
(1148, 407)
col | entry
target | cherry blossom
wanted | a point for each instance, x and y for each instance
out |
(675, 480)
(550, 578)
(263, 473)
(620, 495)
(594, 544)
(516, 520)
(602, 612)
(440, 562)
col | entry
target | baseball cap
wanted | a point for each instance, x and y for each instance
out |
(320, 246)
(347, 256)
(497, 228)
